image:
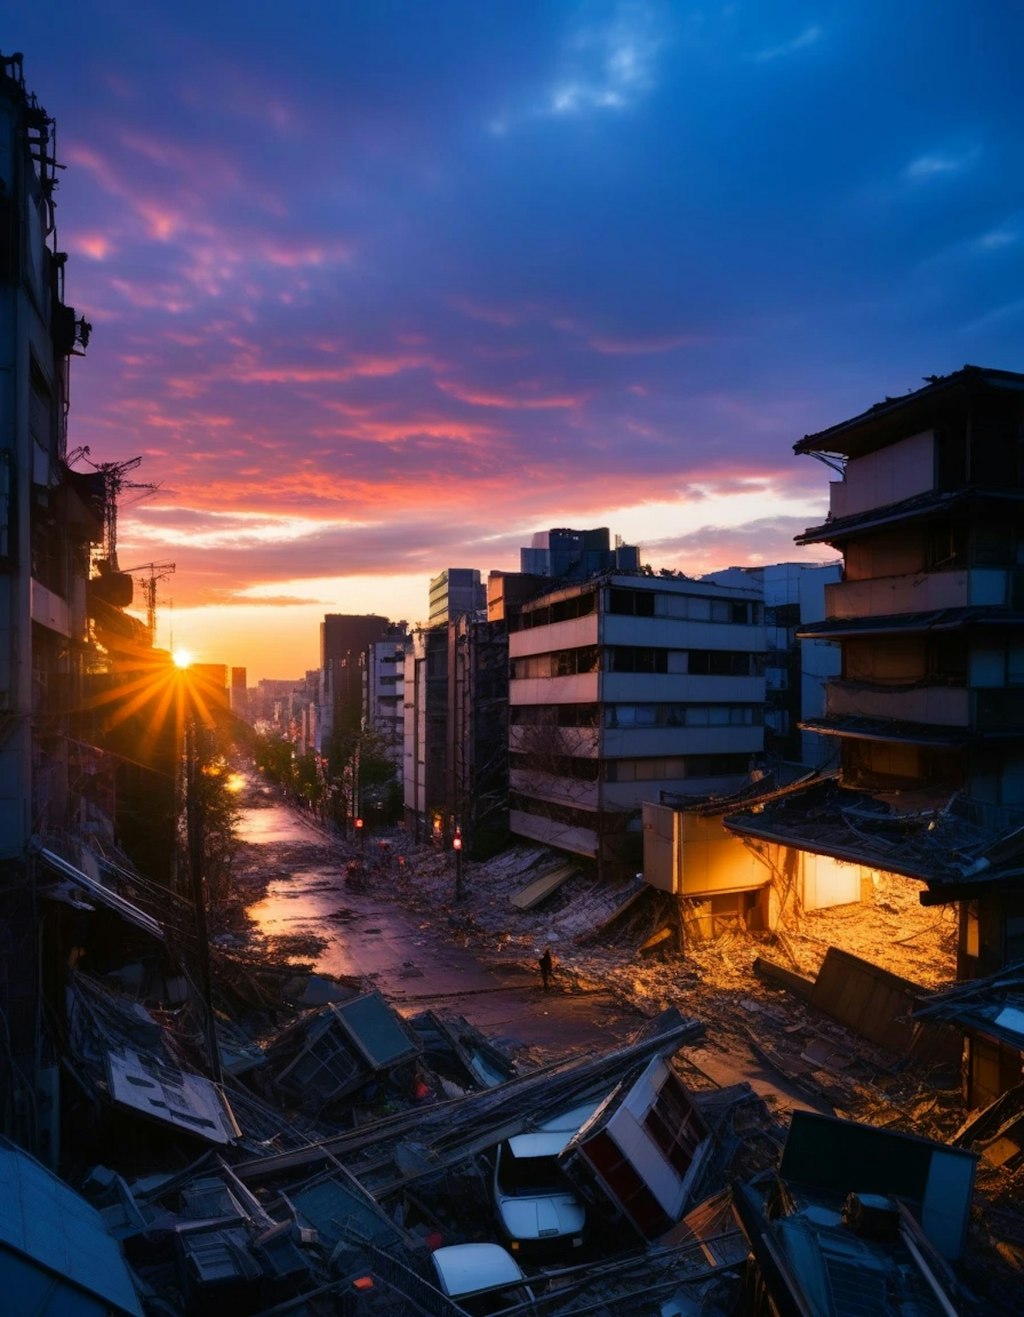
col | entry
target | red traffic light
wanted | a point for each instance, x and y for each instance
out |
(457, 840)
(359, 823)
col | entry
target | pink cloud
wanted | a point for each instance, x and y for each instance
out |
(640, 346)
(93, 245)
(505, 317)
(293, 258)
(360, 367)
(510, 400)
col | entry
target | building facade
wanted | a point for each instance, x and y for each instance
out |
(928, 709)
(454, 592)
(624, 687)
(384, 693)
(576, 555)
(797, 667)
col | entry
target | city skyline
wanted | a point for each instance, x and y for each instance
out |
(379, 291)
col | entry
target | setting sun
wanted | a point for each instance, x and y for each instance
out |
(182, 658)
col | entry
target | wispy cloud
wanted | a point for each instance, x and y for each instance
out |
(610, 65)
(996, 239)
(810, 36)
(935, 164)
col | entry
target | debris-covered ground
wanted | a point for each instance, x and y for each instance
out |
(750, 1021)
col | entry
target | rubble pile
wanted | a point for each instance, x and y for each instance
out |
(350, 1148)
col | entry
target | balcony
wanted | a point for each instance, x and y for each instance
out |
(579, 742)
(553, 789)
(550, 832)
(937, 706)
(926, 592)
(582, 688)
(574, 633)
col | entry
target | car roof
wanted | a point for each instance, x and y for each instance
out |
(465, 1268)
(572, 1119)
(539, 1145)
(551, 1136)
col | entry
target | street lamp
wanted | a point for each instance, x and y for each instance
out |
(460, 891)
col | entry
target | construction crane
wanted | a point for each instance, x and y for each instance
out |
(114, 482)
(149, 573)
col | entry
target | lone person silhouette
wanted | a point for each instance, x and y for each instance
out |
(547, 965)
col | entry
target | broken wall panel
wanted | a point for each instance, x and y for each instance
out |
(878, 1004)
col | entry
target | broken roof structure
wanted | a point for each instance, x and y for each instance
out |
(858, 1221)
(993, 1005)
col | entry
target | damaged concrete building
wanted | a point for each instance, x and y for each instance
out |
(928, 711)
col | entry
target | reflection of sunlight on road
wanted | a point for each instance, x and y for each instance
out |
(306, 896)
(276, 823)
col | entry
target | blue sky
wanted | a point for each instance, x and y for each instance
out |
(381, 288)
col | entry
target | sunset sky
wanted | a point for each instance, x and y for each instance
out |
(379, 288)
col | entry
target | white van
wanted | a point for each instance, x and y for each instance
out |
(481, 1278)
(537, 1208)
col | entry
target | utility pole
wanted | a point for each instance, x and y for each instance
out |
(194, 822)
(460, 891)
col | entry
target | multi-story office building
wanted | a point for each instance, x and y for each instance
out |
(425, 732)
(928, 711)
(576, 555)
(239, 693)
(344, 638)
(384, 692)
(623, 687)
(456, 592)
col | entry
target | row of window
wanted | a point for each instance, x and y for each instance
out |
(637, 715)
(562, 663)
(554, 715)
(562, 610)
(695, 608)
(641, 603)
(639, 658)
(683, 715)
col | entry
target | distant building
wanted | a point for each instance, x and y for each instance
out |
(796, 670)
(342, 634)
(344, 639)
(455, 732)
(576, 555)
(209, 683)
(455, 592)
(239, 693)
(384, 692)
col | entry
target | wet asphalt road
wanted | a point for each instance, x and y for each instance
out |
(408, 958)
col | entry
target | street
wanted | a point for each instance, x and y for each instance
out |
(408, 959)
